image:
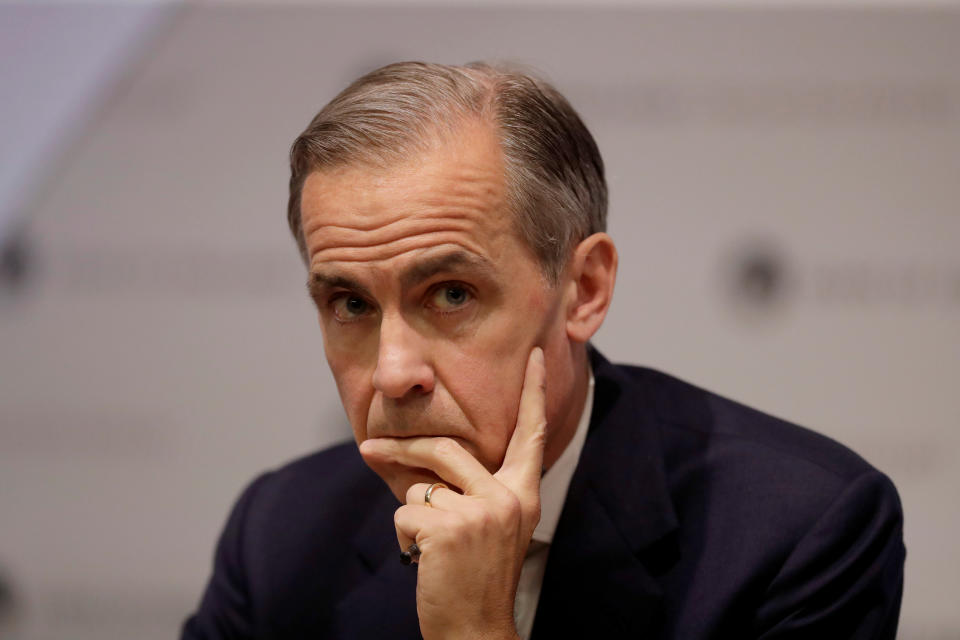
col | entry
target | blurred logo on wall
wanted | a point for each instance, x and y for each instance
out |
(762, 279)
(759, 276)
(15, 263)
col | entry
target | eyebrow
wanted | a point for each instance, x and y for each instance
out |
(452, 261)
(319, 282)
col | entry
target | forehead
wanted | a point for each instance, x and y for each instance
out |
(452, 196)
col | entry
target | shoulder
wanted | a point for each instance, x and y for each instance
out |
(695, 423)
(286, 554)
(737, 474)
(773, 518)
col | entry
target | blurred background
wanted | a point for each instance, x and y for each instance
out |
(784, 180)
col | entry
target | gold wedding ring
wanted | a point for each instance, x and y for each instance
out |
(429, 493)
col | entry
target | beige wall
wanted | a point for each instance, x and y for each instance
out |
(784, 195)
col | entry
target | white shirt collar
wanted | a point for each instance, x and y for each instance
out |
(556, 481)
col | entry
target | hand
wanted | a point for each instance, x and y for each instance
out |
(472, 544)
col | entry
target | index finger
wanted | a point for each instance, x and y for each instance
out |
(523, 462)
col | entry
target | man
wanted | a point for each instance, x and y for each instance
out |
(452, 222)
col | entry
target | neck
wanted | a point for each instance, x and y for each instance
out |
(569, 409)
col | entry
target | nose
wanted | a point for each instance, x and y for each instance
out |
(402, 366)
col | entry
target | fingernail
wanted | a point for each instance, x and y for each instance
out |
(538, 355)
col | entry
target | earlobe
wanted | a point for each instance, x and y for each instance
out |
(593, 273)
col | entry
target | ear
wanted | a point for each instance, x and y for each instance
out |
(592, 274)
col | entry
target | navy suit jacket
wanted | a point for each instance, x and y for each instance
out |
(689, 516)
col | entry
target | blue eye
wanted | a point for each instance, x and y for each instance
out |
(349, 307)
(449, 297)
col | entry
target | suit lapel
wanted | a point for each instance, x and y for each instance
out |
(614, 535)
(383, 604)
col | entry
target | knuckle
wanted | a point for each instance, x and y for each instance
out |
(509, 509)
(512, 506)
(444, 447)
(532, 512)
(485, 520)
(412, 493)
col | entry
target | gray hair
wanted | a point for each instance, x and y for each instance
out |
(554, 172)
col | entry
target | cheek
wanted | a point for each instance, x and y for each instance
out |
(485, 378)
(489, 388)
(356, 391)
(560, 377)
(488, 393)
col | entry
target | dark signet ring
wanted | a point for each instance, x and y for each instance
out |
(429, 493)
(408, 556)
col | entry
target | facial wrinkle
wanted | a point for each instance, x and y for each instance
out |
(346, 227)
(384, 252)
(470, 189)
(427, 206)
(344, 237)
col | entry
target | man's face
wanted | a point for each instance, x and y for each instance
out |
(428, 299)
